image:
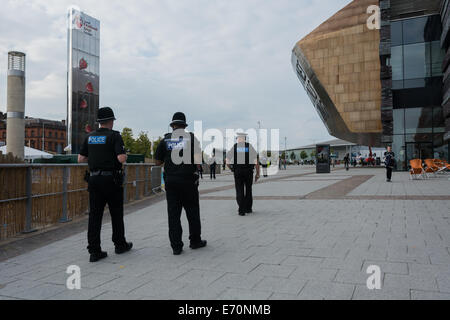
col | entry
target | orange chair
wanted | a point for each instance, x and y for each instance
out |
(417, 169)
(443, 166)
(430, 167)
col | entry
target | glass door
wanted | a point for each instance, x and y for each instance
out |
(422, 150)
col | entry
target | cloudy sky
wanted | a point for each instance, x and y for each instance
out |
(225, 62)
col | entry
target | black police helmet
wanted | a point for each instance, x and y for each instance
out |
(105, 114)
(179, 118)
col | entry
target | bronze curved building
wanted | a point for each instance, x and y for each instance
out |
(379, 85)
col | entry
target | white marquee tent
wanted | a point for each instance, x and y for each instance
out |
(31, 154)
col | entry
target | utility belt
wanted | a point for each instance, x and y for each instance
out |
(102, 173)
(117, 175)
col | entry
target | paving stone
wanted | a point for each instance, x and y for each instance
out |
(125, 284)
(422, 282)
(14, 287)
(283, 297)
(163, 289)
(315, 290)
(112, 296)
(429, 295)
(40, 292)
(200, 276)
(363, 293)
(94, 280)
(388, 267)
(284, 286)
(199, 292)
(239, 281)
(243, 294)
(82, 295)
(270, 270)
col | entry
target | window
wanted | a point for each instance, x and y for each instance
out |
(396, 33)
(422, 29)
(417, 61)
(437, 58)
(419, 120)
(397, 63)
(438, 120)
(416, 54)
(399, 121)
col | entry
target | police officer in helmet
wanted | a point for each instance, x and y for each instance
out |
(242, 159)
(180, 152)
(104, 151)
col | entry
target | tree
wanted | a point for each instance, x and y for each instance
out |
(128, 140)
(143, 145)
(313, 154)
(155, 146)
(303, 155)
(293, 157)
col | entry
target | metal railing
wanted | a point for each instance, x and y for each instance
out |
(37, 196)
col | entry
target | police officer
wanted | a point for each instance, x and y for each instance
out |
(242, 159)
(181, 155)
(104, 151)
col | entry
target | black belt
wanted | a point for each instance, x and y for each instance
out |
(102, 173)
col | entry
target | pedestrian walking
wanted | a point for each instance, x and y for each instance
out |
(390, 163)
(347, 162)
(244, 159)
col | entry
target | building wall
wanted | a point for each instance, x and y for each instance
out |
(54, 139)
(344, 56)
(445, 42)
(411, 75)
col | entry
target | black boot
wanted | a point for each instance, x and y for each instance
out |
(95, 257)
(122, 249)
(199, 245)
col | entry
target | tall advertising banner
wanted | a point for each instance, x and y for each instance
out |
(83, 78)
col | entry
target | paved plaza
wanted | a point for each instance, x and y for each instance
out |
(310, 237)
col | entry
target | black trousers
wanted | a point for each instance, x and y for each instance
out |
(102, 191)
(213, 171)
(183, 194)
(244, 194)
(265, 167)
(389, 173)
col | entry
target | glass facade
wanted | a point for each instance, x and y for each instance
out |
(416, 60)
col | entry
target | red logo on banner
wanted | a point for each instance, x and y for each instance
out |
(78, 22)
(90, 87)
(83, 104)
(83, 64)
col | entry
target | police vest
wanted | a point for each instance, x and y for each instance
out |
(243, 157)
(178, 147)
(102, 146)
